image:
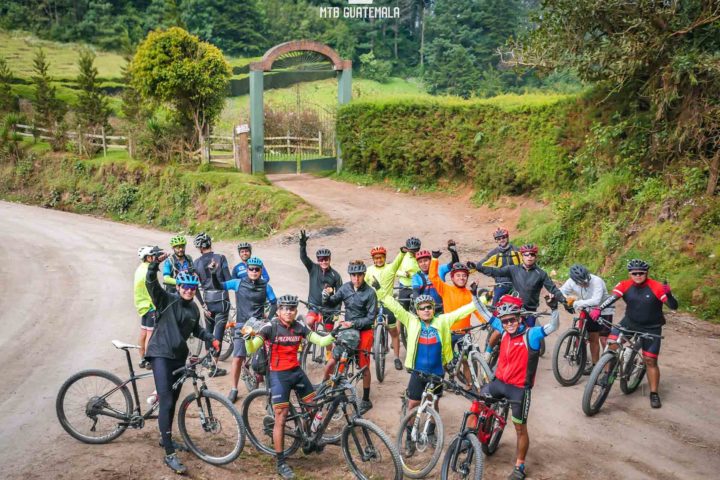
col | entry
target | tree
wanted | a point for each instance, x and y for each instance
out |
(8, 100)
(92, 109)
(49, 110)
(663, 56)
(177, 69)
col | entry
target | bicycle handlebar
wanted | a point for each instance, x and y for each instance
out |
(193, 363)
(627, 330)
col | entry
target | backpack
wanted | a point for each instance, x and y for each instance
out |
(261, 359)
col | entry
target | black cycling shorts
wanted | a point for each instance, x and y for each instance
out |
(416, 387)
(595, 327)
(650, 346)
(284, 381)
(147, 321)
(519, 398)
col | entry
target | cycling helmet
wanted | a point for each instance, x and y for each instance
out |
(459, 267)
(517, 301)
(185, 278)
(244, 246)
(323, 252)
(507, 309)
(423, 254)
(254, 261)
(356, 267)
(148, 250)
(287, 300)
(579, 273)
(420, 299)
(529, 248)
(202, 240)
(412, 243)
(349, 338)
(637, 264)
(178, 240)
(378, 251)
(501, 232)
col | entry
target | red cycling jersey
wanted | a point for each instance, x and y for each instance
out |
(284, 345)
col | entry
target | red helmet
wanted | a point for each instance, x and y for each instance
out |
(510, 299)
(529, 248)
(423, 254)
(378, 251)
(501, 232)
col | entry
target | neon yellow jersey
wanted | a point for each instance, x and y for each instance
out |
(143, 303)
(375, 273)
(408, 268)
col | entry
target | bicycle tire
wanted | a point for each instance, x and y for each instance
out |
(313, 361)
(608, 362)
(394, 472)
(62, 410)
(633, 373)
(256, 431)
(468, 470)
(227, 345)
(482, 369)
(214, 420)
(491, 446)
(572, 348)
(421, 471)
(248, 376)
(379, 350)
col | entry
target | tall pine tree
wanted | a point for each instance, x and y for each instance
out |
(92, 107)
(49, 110)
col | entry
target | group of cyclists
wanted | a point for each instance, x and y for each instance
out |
(432, 301)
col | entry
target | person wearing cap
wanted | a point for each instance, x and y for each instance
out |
(252, 293)
(360, 303)
(321, 276)
(239, 271)
(284, 335)
(517, 365)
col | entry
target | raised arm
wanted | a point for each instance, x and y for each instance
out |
(492, 271)
(400, 313)
(158, 295)
(303, 252)
(457, 314)
(434, 277)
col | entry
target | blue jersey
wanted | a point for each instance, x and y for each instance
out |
(179, 265)
(239, 271)
(422, 285)
(250, 297)
(535, 334)
(428, 357)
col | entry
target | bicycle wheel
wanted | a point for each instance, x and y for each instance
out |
(227, 344)
(94, 406)
(463, 461)
(633, 373)
(369, 452)
(483, 373)
(569, 357)
(312, 361)
(420, 447)
(599, 384)
(379, 350)
(497, 428)
(211, 427)
(259, 419)
(248, 375)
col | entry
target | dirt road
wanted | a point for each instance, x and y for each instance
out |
(66, 283)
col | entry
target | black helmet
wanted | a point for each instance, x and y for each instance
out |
(323, 252)
(501, 232)
(202, 240)
(356, 267)
(579, 273)
(413, 243)
(637, 264)
(244, 245)
(288, 301)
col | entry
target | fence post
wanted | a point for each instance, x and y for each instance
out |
(79, 138)
(243, 148)
(320, 143)
(287, 141)
(104, 142)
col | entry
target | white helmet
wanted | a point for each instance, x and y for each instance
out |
(147, 250)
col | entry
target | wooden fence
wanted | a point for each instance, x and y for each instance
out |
(106, 142)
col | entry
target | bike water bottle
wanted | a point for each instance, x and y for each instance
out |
(316, 422)
(152, 398)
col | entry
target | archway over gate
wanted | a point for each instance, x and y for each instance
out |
(299, 56)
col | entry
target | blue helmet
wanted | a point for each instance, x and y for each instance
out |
(185, 278)
(255, 261)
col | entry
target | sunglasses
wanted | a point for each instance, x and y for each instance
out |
(288, 307)
(529, 254)
(501, 238)
(191, 288)
(254, 269)
(425, 308)
(638, 274)
(323, 259)
(509, 320)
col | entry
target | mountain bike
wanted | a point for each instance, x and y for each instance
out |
(469, 357)
(420, 437)
(571, 351)
(95, 406)
(626, 363)
(481, 428)
(381, 343)
(367, 450)
(312, 357)
(195, 345)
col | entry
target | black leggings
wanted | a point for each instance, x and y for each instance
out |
(162, 369)
(215, 326)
